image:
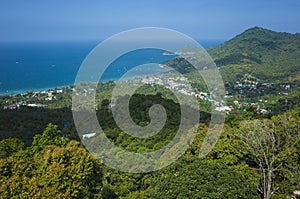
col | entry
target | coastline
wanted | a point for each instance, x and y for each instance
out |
(63, 67)
(35, 90)
(39, 90)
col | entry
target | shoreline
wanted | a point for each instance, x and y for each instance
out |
(114, 79)
(35, 90)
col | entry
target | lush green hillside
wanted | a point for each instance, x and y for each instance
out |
(265, 54)
(256, 156)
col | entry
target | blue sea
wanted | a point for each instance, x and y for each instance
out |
(36, 66)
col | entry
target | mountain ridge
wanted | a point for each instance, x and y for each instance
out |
(256, 40)
(264, 53)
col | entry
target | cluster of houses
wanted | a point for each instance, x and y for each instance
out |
(11, 107)
(242, 105)
(18, 105)
(49, 96)
(257, 87)
(180, 85)
(84, 91)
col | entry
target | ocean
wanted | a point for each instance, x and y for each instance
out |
(37, 66)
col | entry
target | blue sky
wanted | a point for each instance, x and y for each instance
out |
(99, 19)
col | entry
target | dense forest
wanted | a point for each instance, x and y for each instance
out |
(256, 156)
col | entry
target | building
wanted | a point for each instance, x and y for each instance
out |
(36, 105)
(10, 107)
(89, 135)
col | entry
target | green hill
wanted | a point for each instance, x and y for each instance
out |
(264, 54)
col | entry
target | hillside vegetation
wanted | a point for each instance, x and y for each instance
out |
(257, 154)
(265, 54)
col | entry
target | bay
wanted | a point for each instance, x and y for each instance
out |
(36, 66)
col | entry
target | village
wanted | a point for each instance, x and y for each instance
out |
(180, 84)
(38, 99)
(247, 85)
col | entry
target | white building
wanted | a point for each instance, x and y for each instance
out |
(89, 135)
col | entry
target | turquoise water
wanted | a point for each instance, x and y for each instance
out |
(35, 66)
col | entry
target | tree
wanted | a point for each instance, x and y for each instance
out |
(226, 151)
(201, 179)
(10, 146)
(55, 172)
(51, 136)
(53, 167)
(269, 146)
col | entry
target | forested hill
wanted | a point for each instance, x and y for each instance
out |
(265, 54)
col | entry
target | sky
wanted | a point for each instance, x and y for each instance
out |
(33, 20)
